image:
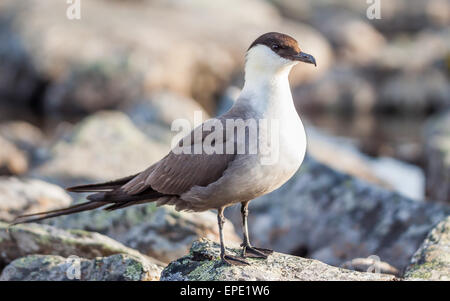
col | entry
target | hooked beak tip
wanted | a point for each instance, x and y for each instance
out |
(306, 58)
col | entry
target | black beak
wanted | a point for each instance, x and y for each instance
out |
(306, 58)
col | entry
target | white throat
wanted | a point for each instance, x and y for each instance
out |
(266, 85)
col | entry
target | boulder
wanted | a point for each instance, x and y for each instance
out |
(24, 196)
(432, 260)
(161, 233)
(389, 173)
(437, 157)
(333, 217)
(101, 147)
(414, 92)
(370, 264)
(28, 239)
(396, 16)
(343, 89)
(119, 267)
(203, 263)
(98, 63)
(354, 39)
(13, 161)
(24, 135)
(155, 115)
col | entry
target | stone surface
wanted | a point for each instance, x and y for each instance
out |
(326, 215)
(13, 161)
(343, 89)
(161, 233)
(395, 175)
(24, 196)
(203, 263)
(371, 265)
(27, 239)
(119, 267)
(156, 114)
(101, 147)
(432, 259)
(112, 66)
(437, 157)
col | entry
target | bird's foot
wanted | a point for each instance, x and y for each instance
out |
(253, 252)
(233, 260)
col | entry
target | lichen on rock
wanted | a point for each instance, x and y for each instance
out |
(203, 264)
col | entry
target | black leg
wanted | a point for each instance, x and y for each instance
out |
(247, 249)
(227, 259)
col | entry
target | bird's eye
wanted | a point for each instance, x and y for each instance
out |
(275, 47)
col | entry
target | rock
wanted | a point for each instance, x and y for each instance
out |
(432, 259)
(354, 39)
(414, 93)
(13, 161)
(24, 135)
(19, 141)
(203, 263)
(371, 265)
(101, 147)
(341, 90)
(427, 47)
(119, 267)
(112, 65)
(161, 233)
(28, 239)
(437, 157)
(326, 215)
(155, 115)
(396, 16)
(389, 173)
(24, 196)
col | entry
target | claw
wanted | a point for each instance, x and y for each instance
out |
(233, 260)
(252, 252)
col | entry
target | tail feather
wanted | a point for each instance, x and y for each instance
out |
(106, 186)
(29, 218)
(108, 193)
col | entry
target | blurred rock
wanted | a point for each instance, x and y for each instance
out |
(342, 90)
(437, 157)
(355, 39)
(19, 142)
(27, 239)
(203, 264)
(326, 215)
(125, 50)
(119, 267)
(371, 265)
(432, 259)
(412, 54)
(24, 196)
(161, 233)
(101, 147)
(396, 16)
(24, 135)
(388, 173)
(155, 115)
(13, 161)
(415, 93)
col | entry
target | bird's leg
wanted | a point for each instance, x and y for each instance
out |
(247, 249)
(227, 259)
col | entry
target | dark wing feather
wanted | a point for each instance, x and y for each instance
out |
(177, 173)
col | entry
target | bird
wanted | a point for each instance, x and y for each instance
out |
(204, 180)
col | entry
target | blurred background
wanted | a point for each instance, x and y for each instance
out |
(93, 99)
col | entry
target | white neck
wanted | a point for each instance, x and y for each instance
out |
(266, 85)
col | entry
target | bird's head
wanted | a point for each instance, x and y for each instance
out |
(276, 51)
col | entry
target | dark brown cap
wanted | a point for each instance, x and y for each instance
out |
(283, 45)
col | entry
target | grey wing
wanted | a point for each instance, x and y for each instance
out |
(177, 173)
